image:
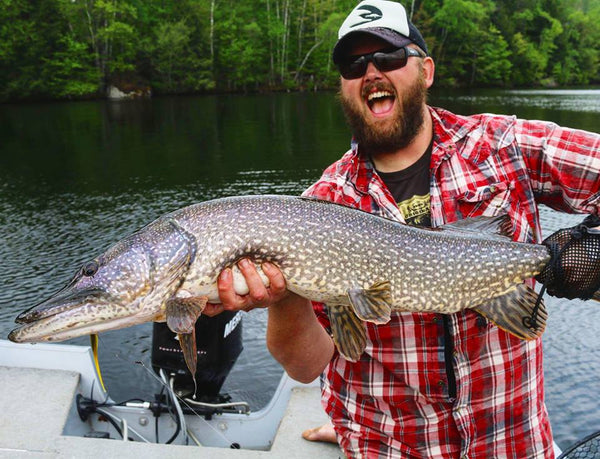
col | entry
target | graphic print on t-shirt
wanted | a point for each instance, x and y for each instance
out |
(416, 210)
(410, 189)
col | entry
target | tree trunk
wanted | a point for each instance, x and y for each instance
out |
(315, 46)
(286, 34)
(301, 29)
(212, 33)
(271, 57)
(95, 45)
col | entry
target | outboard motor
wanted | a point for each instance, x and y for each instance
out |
(218, 344)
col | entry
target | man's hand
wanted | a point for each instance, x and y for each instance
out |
(294, 336)
(259, 295)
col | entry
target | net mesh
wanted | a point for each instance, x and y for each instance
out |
(588, 448)
(574, 269)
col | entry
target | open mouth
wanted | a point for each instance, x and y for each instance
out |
(381, 102)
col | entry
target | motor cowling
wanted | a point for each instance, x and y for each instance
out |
(218, 345)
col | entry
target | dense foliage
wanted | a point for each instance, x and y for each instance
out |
(76, 48)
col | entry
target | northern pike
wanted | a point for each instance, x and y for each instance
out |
(361, 265)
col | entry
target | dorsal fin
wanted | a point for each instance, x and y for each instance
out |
(357, 209)
(498, 227)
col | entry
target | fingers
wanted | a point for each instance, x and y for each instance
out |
(276, 280)
(259, 295)
(257, 291)
(230, 300)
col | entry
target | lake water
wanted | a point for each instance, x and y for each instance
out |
(76, 177)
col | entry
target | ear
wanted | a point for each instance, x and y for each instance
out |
(428, 70)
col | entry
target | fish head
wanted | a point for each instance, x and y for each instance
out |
(127, 285)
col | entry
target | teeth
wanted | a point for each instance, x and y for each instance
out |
(378, 94)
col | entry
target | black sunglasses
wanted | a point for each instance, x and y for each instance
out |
(353, 67)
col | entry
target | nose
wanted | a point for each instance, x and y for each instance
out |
(372, 73)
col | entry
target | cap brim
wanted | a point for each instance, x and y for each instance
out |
(393, 38)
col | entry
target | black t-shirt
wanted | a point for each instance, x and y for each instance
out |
(410, 189)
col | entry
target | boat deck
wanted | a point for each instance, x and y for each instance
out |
(35, 404)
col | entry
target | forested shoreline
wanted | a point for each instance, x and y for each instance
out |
(70, 49)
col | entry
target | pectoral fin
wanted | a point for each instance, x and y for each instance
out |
(182, 314)
(348, 331)
(373, 304)
(513, 313)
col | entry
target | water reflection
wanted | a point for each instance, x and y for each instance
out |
(100, 146)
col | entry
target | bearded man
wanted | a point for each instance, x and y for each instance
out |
(427, 385)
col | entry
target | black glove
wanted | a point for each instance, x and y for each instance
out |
(574, 269)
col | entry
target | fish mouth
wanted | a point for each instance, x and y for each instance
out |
(62, 301)
(73, 313)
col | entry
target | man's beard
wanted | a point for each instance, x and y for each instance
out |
(408, 118)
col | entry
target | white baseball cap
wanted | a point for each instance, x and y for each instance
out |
(381, 18)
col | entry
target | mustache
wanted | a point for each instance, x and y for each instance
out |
(377, 86)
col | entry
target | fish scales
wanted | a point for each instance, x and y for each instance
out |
(361, 265)
(316, 242)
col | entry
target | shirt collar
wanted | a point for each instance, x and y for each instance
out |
(448, 130)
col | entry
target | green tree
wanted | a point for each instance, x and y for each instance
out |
(107, 27)
(116, 34)
(460, 27)
(532, 52)
(172, 41)
(577, 58)
(70, 71)
(320, 70)
(492, 60)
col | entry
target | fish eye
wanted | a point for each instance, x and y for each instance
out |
(90, 268)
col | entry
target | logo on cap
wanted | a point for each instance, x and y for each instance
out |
(372, 14)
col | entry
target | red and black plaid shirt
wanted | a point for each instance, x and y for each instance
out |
(397, 401)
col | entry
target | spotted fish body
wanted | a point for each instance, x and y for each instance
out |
(361, 265)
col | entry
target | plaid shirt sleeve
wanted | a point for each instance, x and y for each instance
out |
(564, 165)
